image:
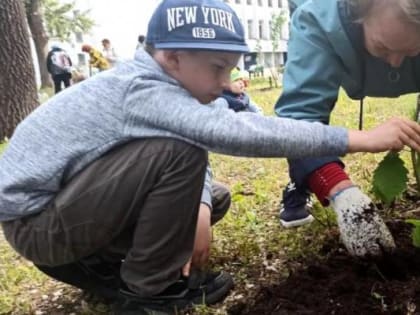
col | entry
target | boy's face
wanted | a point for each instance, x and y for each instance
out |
(205, 74)
(237, 86)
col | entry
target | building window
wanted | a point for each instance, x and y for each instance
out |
(261, 29)
(270, 3)
(280, 4)
(250, 29)
(237, 1)
(227, 1)
(81, 59)
(249, 2)
(79, 37)
(260, 3)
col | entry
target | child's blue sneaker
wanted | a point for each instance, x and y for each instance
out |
(294, 210)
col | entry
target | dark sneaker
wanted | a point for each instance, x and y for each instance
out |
(295, 207)
(92, 275)
(200, 288)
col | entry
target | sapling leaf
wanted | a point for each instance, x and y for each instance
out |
(390, 178)
(415, 233)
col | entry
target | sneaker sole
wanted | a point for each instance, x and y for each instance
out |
(296, 223)
(217, 295)
(207, 299)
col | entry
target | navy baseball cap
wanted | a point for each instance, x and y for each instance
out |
(196, 24)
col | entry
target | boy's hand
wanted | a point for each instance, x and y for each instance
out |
(394, 134)
(362, 231)
(203, 236)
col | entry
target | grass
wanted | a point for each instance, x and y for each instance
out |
(248, 242)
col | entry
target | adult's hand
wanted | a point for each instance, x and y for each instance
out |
(362, 231)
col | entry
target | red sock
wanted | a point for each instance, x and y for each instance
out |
(322, 180)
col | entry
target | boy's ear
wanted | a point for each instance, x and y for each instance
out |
(171, 58)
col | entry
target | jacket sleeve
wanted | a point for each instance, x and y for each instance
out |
(94, 59)
(254, 108)
(312, 74)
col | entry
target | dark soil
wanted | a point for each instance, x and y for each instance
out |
(341, 284)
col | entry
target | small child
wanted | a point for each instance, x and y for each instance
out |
(101, 186)
(235, 97)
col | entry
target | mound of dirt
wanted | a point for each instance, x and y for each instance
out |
(342, 284)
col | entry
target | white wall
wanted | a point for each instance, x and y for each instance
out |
(121, 21)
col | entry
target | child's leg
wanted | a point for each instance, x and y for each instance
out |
(151, 187)
(165, 230)
(220, 199)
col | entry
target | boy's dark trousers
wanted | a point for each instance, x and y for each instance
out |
(62, 77)
(139, 201)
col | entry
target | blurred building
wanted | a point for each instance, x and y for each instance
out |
(256, 17)
(121, 21)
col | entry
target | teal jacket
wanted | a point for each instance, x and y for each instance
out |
(293, 4)
(326, 52)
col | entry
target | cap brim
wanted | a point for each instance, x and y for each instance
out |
(203, 46)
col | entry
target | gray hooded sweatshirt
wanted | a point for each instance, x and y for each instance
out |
(137, 100)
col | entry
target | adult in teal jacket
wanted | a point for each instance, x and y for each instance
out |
(369, 48)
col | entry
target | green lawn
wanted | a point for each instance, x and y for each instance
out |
(248, 242)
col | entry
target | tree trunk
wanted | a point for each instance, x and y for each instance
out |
(40, 37)
(18, 95)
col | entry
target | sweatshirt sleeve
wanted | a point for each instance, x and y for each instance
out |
(171, 110)
(312, 75)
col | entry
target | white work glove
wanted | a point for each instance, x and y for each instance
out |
(362, 231)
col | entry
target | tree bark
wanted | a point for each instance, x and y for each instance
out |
(18, 96)
(40, 37)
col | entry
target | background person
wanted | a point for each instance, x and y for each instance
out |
(59, 65)
(140, 41)
(109, 52)
(96, 59)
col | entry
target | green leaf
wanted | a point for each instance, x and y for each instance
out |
(415, 233)
(390, 178)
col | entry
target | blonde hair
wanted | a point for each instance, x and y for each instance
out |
(409, 8)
